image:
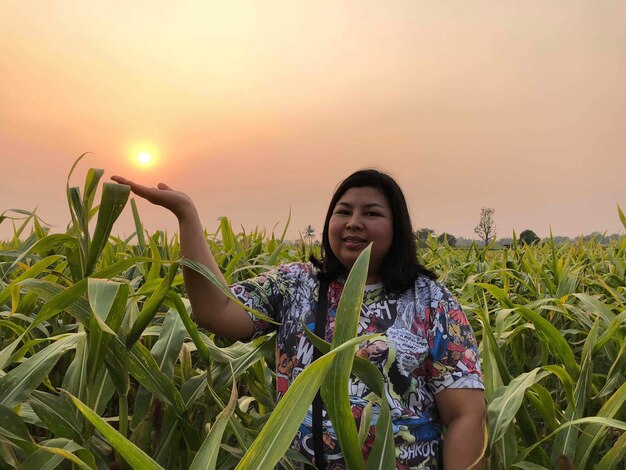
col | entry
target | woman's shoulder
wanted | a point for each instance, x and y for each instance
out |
(297, 268)
(295, 272)
(429, 291)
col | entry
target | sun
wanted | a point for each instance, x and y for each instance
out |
(144, 156)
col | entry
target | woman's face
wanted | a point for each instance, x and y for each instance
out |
(360, 217)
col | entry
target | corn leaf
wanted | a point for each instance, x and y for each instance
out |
(206, 458)
(553, 340)
(20, 382)
(57, 414)
(114, 197)
(279, 430)
(202, 269)
(614, 456)
(13, 429)
(141, 239)
(336, 400)
(565, 441)
(151, 306)
(596, 430)
(51, 453)
(129, 451)
(622, 217)
(507, 401)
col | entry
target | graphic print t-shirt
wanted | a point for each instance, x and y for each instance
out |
(428, 346)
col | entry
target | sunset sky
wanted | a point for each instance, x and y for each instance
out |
(256, 108)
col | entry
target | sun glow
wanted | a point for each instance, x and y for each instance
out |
(144, 156)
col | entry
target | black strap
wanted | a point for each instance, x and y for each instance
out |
(320, 330)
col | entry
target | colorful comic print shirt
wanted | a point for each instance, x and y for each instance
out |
(428, 346)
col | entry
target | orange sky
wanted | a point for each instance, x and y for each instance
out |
(259, 107)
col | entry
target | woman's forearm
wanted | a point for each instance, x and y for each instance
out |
(211, 308)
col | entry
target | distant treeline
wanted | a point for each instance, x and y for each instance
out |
(524, 237)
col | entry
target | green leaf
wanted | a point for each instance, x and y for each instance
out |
(592, 434)
(529, 466)
(57, 299)
(193, 389)
(75, 379)
(622, 217)
(595, 307)
(206, 272)
(107, 300)
(114, 197)
(143, 367)
(498, 293)
(76, 209)
(57, 414)
(333, 390)
(565, 441)
(101, 294)
(595, 421)
(129, 451)
(170, 342)
(48, 243)
(141, 240)
(102, 390)
(155, 253)
(71, 299)
(383, 453)
(279, 430)
(542, 401)
(552, 339)
(495, 371)
(611, 332)
(13, 429)
(565, 378)
(32, 272)
(614, 456)
(89, 190)
(507, 401)
(191, 328)
(117, 364)
(228, 236)
(151, 306)
(239, 364)
(50, 455)
(20, 382)
(7, 352)
(206, 458)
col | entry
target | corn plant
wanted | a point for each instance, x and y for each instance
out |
(102, 366)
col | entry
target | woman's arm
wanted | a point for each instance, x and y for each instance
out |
(211, 308)
(462, 411)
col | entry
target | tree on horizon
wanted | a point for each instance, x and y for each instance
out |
(309, 234)
(486, 228)
(447, 238)
(529, 237)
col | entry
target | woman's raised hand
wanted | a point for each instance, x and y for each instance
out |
(176, 201)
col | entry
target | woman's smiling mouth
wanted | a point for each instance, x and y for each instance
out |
(354, 242)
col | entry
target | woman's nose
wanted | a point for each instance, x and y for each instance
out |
(354, 223)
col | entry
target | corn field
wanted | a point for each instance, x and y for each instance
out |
(102, 366)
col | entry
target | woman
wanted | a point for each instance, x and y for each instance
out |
(427, 354)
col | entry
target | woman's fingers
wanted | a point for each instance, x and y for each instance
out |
(162, 195)
(121, 180)
(138, 189)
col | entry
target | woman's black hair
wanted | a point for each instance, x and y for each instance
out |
(400, 267)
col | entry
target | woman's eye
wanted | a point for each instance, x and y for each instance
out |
(341, 211)
(373, 214)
